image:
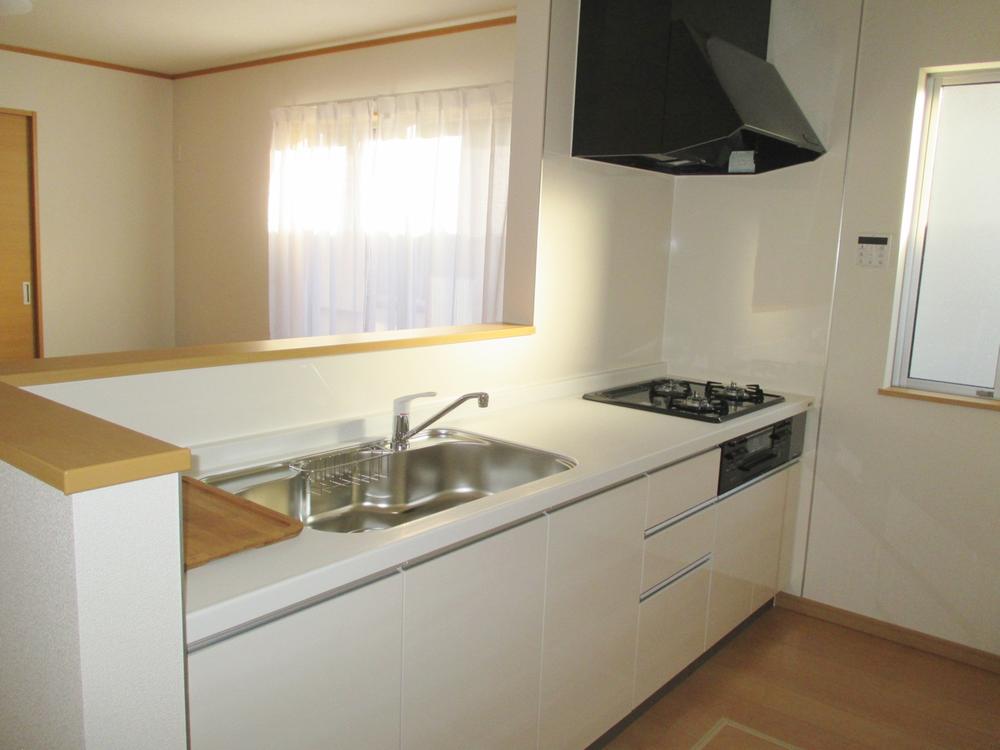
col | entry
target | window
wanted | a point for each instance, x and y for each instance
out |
(389, 213)
(949, 319)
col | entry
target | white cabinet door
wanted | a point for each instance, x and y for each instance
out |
(325, 677)
(769, 517)
(472, 639)
(591, 615)
(671, 630)
(747, 546)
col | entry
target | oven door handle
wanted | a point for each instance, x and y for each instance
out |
(748, 465)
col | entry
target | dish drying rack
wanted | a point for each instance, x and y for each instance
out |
(357, 465)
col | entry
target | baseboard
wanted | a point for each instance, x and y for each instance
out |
(904, 636)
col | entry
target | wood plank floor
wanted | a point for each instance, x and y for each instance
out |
(794, 682)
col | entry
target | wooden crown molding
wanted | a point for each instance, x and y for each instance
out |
(329, 50)
(83, 61)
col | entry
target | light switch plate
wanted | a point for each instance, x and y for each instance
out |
(873, 250)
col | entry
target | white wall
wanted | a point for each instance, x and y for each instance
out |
(752, 258)
(906, 514)
(601, 275)
(91, 626)
(222, 127)
(105, 202)
(127, 545)
(41, 700)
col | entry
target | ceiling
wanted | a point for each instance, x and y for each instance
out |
(179, 36)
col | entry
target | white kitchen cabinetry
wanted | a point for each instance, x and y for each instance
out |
(472, 640)
(327, 676)
(544, 635)
(591, 615)
(680, 528)
(747, 548)
(671, 629)
(677, 488)
(675, 576)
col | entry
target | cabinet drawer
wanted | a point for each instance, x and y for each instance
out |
(675, 489)
(747, 545)
(671, 630)
(669, 550)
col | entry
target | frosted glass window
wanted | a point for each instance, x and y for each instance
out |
(953, 320)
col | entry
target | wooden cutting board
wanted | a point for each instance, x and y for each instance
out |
(217, 523)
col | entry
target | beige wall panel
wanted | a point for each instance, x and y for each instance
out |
(105, 194)
(905, 513)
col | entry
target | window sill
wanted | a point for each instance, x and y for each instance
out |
(116, 364)
(941, 398)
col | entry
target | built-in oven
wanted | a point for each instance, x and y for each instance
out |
(755, 453)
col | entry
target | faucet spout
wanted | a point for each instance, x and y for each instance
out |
(402, 432)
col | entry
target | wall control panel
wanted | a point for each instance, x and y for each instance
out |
(873, 250)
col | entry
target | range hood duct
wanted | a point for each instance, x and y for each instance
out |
(715, 108)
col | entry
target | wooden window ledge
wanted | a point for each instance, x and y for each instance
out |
(941, 398)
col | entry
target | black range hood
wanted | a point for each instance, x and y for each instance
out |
(655, 92)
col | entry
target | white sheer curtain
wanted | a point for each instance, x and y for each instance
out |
(389, 213)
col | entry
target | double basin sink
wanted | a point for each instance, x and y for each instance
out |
(370, 488)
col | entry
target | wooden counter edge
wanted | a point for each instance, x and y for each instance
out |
(74, 451)
(117, 364)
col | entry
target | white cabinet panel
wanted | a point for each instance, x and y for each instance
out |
(671, 631)
(327, 676)
(675, 489)
(769, 514)
(472, 639)
(591, 615)
(747, 546)
(677, 546)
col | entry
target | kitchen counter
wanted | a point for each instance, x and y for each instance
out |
(610, 444)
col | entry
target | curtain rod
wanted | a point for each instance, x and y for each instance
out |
(401, 93)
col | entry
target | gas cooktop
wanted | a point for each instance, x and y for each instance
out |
(707, 401)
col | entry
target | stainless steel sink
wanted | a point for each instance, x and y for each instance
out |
(441, 469)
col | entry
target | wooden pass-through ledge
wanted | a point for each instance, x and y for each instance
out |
(74, 451)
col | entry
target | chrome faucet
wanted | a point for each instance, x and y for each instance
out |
(401, 432)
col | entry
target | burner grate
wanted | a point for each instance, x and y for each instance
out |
(708, 401)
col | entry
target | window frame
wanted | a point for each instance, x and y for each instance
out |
(915, 225)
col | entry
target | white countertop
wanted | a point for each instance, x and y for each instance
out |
(609, 443)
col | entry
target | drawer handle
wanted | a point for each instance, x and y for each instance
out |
(686, 570)
(682, 516)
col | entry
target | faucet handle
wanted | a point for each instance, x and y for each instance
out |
(401, 405)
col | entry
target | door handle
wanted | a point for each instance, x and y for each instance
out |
(26, 292)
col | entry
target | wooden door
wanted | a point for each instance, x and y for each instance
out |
(18, 290)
